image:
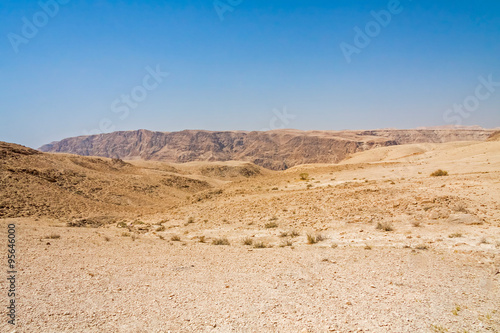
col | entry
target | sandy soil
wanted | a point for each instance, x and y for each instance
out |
(396, 251)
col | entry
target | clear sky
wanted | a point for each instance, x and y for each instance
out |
(70, 67)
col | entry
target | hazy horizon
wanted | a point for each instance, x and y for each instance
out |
(72, 68)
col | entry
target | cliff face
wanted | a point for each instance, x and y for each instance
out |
(277, 150)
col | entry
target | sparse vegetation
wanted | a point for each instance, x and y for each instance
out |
(456, 310)
(160, 228)
(460, 208)
(286, 243)
(175, 238)
(294, 233)
(283, 234)
(416, 223)
(304, 176)
(121, 224)
(483, 240)
(201, 239)
(438, 329)
(422, 247)
(260, 245)
(385, 226)
(455, 235)
(313, 239)
(248, 241)
(271, 225)
(439, 173)
(334, 245)
(53, 236)
(221, 241)
(367, 247)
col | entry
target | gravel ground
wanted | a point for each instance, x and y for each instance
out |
(83, 282)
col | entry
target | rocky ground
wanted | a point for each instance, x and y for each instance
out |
(373, 244)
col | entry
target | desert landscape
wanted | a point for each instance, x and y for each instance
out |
(280, 231)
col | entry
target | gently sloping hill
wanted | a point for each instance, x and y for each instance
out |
(454, 157)
(60, 185)
(246, 170)
(418, 152)
(495, 136)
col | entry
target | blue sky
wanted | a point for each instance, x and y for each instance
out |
(236, 73)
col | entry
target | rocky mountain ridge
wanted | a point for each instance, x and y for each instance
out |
(276, 150)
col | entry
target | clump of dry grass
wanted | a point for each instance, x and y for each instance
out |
(284, 234)
(189, 221)
(160, 228)
(460, 208)
(201, 239)
(53, 236)
(385, 226)
(367, 247)
(483, 240)
(121, 225)
(260, 245)
(294, 233)
(313, 239)
(107, 239)
(334, 245)
(271, 225)
(125, 234)
(247, 241)
(221, 241)
(286, 243)
(422, 247)
(416, 223)
(439, 173)
(175, 238)
(455, 235)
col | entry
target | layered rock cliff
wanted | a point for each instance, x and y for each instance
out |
(277, 150)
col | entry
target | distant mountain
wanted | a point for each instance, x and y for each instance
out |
(277, 150)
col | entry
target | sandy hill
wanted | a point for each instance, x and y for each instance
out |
(495, 136)
(63, 185)
(276, 150)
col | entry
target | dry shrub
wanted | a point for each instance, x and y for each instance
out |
(221, 241)
(439, 173)
(385, 226)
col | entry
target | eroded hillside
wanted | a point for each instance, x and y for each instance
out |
(276, 150)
